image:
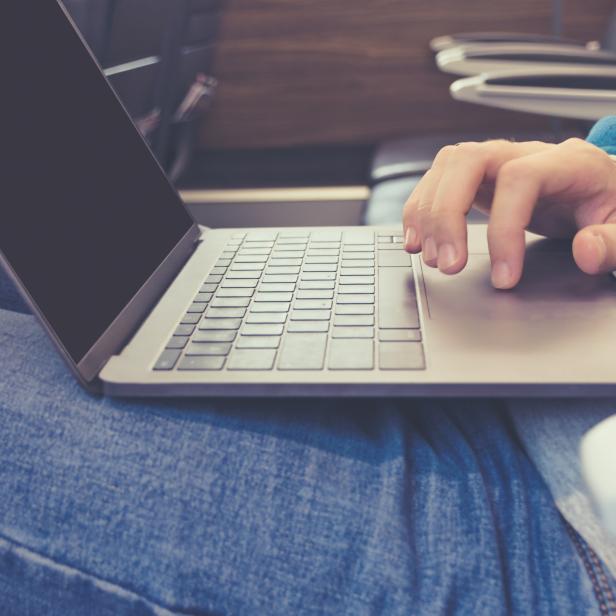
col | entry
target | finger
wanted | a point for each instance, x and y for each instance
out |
(461, 184)
(423, 219)
(519, 185)
(594, 249)
(412, 239)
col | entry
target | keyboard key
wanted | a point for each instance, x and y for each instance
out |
(358, 237)
(208, 288)
(223, 263)
(351, 355)
(273, 271)
(261, 236)
(315, 294)
(324, 267)
(391, 258)
(243, 275)
(344, 280)
(262, 330)
(277, 278)
(197, 362)
(167, 360)
(247, 267)
(178, 342)
(294, 234)
(214, 336)
(354, 308)
(317, 284)
(397, 299)
(191, 319)
(213, 280)
(359, 248)
(323, 252)
(225, 313)
(356, 289)
(357, 263)
(357, 256)
(258, 245)
(258, 342)
(220, 323)
(184, 330)
(208, 348)
(325, 246)
(243, 283)
(321, 260)
(266, 317)
(251, 258)
(401, 356)
(197, 308)
(398, 247)
(353, 332)
(353, 319)
(252, 359)
(203, 298)
(303, 352)
(326, 236)
(298, 327)
(296, 242)
(311, 315)
(230, 302)
(277, 287)
(235, 292)
(285, 262)
(228, 255)
(271, 307)
(313, 304)
(287, 254)
(273, 297)
(254, 251)
(357, 271)
(218, 271)
(318, 276)
(400, 335)
(355, 299)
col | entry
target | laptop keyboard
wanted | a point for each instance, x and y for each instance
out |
(302, 301)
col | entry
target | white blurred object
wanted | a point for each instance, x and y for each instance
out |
(598, 454)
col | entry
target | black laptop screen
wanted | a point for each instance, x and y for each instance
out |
(86, 214)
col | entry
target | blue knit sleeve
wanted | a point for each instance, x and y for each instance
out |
(603, 134)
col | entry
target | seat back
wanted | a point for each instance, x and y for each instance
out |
(152, 52)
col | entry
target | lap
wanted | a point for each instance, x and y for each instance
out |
(289, 506)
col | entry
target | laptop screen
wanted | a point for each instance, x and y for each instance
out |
(86, 213)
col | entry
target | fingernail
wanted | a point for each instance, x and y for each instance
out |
(447, 256)
(411, 237)
(501, 275)
(429, 250)
(601, 248)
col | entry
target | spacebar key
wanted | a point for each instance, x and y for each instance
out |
(303, 352)
(397, 299)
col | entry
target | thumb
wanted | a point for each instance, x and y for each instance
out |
(594, 248)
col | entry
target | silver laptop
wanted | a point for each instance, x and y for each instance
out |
(142, 301)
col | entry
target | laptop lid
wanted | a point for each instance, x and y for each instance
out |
(90, 228)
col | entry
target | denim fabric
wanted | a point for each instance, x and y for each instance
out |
(267, 507)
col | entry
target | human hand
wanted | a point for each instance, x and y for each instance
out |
(566, 190)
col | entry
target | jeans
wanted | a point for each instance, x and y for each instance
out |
(207, 506)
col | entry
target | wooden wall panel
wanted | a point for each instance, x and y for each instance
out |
(357, 71)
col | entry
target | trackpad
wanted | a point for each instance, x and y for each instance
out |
(553, 300)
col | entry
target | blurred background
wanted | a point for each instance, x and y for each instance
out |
(247, 95)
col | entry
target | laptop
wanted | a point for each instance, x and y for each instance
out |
(140, 300)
